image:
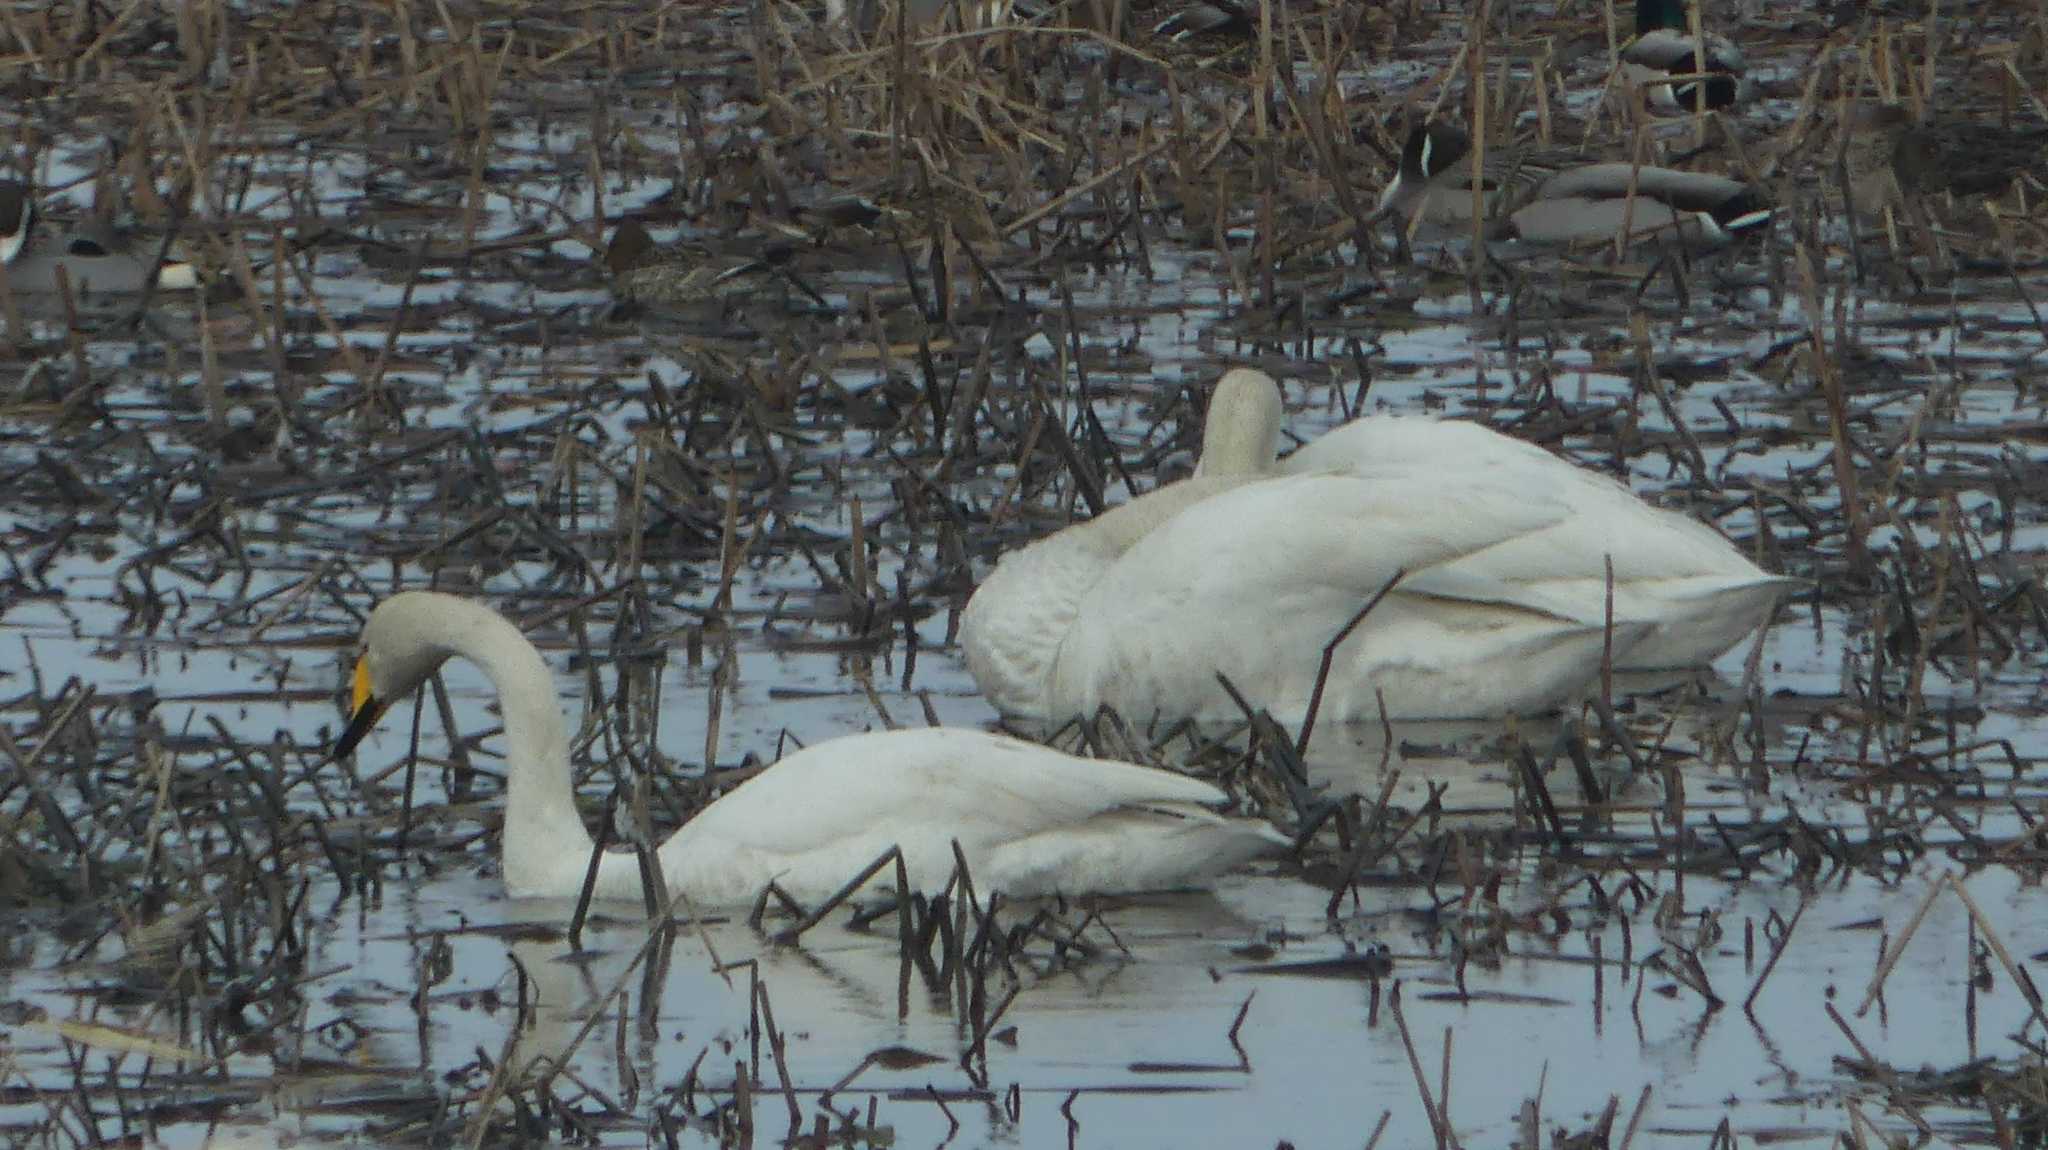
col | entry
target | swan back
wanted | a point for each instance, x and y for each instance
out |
(1254, 582)
(1606, 515)
(1030, 820)
(1017, 619)
(1670, 570)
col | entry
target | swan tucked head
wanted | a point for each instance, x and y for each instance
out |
(401, 646)
(1243, 432)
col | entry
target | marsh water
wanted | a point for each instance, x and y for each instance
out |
(743, 526)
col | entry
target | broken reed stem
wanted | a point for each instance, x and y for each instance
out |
(791, 934)
(1315, 698)
(1437, 1125)
(2013, 970)
(1891, 958)
(598, 844)
(1777, 952)
(1635, 1117)
(776, 1046)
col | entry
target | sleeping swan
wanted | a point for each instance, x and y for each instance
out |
(1250, 567)
(1030, 819)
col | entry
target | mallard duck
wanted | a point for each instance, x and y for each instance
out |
(1029, 819)
(1554, 197)
(17, 216)
(1207, 18)
(1664, 47)
(1594, 202)
(1887, 153)
(94, 257)
(1250, 567)
(1434, 178)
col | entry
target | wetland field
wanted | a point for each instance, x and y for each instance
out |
(1794, 899)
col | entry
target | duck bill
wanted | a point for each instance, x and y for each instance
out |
(364, 711)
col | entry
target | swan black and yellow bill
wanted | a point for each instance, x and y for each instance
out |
(364, 710)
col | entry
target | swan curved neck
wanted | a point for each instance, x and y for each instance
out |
(543, 833)
(1243, 431)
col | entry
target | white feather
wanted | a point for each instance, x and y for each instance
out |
(1251, 567)
(1030, 820)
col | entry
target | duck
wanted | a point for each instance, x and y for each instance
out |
(1889, 156)
(1594, 203)
(1664, 48)
(1958, 157)
(1433, 179)
(1483, 558)
(17, 216)
(1552, 197)
(925, 15)
(94, 257)
(1219, 18)
(1030, 820)
(644, 272)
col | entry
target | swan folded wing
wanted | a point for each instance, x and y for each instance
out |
(1389, 447)
(1570, 559)
(943, 776)
(825, 812)
(1158, 846)
(1694, 618)
(1321, 532)
(1677, 576)
(1255, 582)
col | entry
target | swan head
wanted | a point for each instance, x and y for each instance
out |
(1243, 431)
(397, 653)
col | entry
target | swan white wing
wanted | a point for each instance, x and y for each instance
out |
(1451, 451)
(1255, 582)
(1672, 573)
(816, 818)
(1607, 518)
(943, 775)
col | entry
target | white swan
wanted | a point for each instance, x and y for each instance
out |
(1250, 567)
(1031, 820)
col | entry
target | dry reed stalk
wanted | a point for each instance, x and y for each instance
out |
(1439, 1125)
(1475, 55)
(1829, 373)
(1315, 698)
(2013, 970)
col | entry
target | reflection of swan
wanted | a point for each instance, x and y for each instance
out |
(1031, 820)
(1249, 567)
